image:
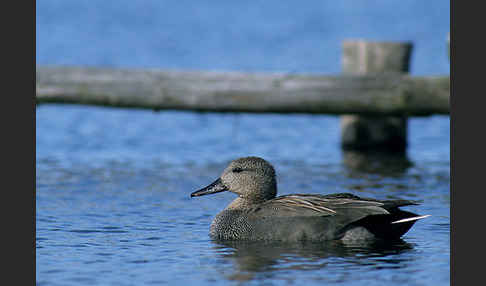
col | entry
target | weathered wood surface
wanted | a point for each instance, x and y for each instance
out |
(388, 94)
(375, 133)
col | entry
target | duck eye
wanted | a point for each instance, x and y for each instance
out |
(237, 170)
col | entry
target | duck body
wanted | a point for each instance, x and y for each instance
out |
(300, 217)
(257, 214)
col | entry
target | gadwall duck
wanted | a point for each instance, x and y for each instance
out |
(257, 214)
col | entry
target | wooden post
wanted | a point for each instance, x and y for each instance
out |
(374, 133)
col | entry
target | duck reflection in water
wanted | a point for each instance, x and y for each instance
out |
(252, 257)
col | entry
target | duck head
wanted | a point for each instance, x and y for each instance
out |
(251, 178)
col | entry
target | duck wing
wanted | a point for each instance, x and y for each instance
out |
(340, 213)
(343, 204)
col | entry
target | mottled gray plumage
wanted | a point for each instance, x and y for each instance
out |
(257, 214)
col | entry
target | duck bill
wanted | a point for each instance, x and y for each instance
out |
(215, 187)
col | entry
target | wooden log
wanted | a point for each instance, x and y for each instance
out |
(244, 92)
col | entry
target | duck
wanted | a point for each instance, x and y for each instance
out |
(258, 214)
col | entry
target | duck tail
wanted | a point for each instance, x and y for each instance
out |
(390, 226)
(410, 219)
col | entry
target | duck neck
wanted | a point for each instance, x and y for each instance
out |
(240, 203)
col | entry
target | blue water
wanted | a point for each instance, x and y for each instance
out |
(113, 185)
(113, 205)
(290, 36)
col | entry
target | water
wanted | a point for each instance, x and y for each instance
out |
(236, 35)
(113, 205)
(113, 185)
